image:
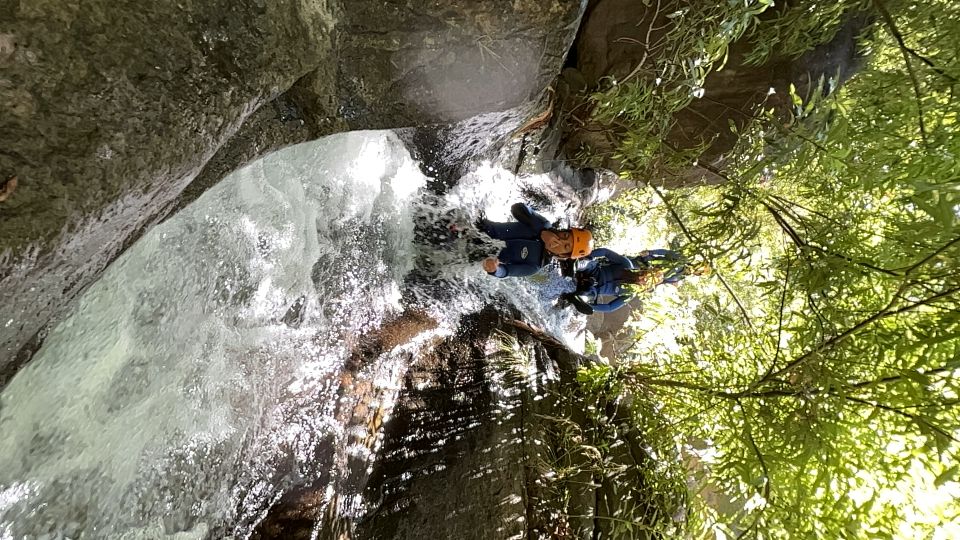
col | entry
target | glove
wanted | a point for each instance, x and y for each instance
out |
(481, 223)
(577, 303)
(585, 282)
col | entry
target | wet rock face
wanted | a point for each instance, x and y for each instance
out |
(438, 424)
(454, 460)
(447, 59)
(111, 109)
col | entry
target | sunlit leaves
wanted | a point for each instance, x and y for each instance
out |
(686, 41)
(838, 232)
(799, 27)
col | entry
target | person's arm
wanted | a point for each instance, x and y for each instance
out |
(663, 255)
(497, 268)
(613, 257)
(613, 305)
(517, 270)
(578, 303)
(673, 276)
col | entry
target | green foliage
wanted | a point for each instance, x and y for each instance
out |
(691, 39)
(606, 219)
(797, 27)
(816, 385)
(608, 464)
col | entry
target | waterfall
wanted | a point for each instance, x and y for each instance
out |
(199, 377)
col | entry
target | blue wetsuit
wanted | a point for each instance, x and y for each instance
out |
(524, 253)
(604, 278)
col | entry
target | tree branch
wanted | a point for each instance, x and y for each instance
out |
(928, 258)
(783, 300)
(895, 378)
(892, 28)
(766, 475)
(800, 242)
(860, 326)
(646, 45)
(914, 417)
(695, 240)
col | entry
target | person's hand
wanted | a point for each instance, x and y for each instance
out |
(490, 265)
(481, 222)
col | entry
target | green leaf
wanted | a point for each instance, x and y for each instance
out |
(946, 476)
(917, 377)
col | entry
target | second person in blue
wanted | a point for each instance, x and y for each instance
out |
(608, 273)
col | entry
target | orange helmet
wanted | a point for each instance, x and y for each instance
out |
(581, 243)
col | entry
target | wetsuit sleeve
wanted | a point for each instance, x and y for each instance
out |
(674, 275)
(517, 270)
(673, 262)
(663, 255)
(613, 257)
(613, 305)
(514, 270)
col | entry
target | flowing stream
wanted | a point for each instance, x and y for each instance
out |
(198, 379)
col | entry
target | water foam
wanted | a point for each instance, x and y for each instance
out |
(198, 378)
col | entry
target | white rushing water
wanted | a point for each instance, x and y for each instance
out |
(197, 378)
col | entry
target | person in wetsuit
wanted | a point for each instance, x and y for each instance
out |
(531, 242)
(606, 273)
(609, 274)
